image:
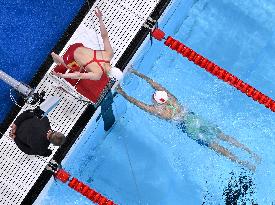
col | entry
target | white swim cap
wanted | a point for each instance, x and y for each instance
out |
(115, 73)
(160, 96)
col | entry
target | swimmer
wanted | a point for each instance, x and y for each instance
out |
(166, 106)
(77, 58)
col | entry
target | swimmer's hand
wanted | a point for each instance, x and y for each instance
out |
(132, 70)
(119, 89)
(98, 13)
(57, 59)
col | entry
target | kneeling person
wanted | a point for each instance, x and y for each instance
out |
(33, 135)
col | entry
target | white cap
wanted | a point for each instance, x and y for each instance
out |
(160, 96)
(115, 73)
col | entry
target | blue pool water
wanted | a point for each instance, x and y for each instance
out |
(28, 32)
(144, 160)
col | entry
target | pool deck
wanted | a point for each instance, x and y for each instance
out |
(24, 176)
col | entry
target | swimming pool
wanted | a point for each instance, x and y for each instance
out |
(23, 26)
(144, 160)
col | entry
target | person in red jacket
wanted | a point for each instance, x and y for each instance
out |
(95, 63)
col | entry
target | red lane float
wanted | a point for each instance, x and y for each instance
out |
(215, 69)
(82, 188)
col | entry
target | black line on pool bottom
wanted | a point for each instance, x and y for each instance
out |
(88, 113)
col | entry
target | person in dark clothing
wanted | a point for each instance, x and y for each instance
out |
(33, 134)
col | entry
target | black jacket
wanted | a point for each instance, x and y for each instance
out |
(31, 134)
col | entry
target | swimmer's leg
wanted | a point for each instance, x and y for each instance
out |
(225, 152)
(236, 143)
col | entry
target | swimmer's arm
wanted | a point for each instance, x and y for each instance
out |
(78, 75)
(136, 102)
(104, 35)
(154, 84)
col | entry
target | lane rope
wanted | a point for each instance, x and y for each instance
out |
(214, 69)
